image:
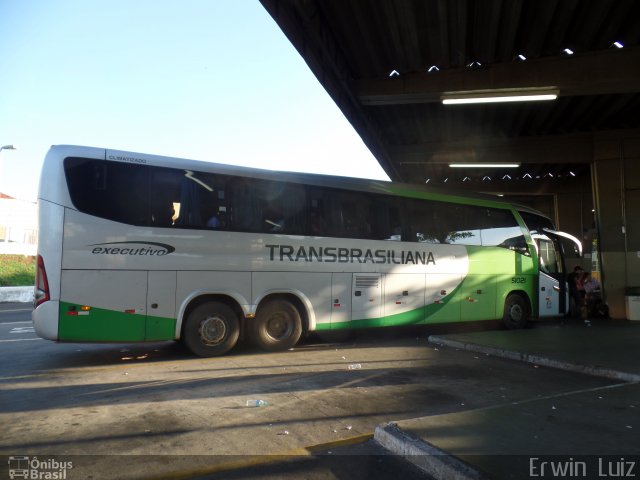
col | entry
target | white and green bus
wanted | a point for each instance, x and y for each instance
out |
(136, 247)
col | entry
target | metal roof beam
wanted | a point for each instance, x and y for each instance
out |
(598, 73)
(534, 150)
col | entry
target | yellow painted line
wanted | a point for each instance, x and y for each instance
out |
(259, 460)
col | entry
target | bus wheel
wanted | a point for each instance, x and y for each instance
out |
(516, 312)
(211, 329)
(277, 326)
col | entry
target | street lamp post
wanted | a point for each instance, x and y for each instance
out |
(6, 147)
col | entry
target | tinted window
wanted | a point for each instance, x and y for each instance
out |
(440, 222)
(112, 190)
(536, 222)
(177, 198)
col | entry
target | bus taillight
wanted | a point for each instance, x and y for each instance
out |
(42, 284)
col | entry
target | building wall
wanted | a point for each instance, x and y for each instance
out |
(18, 227)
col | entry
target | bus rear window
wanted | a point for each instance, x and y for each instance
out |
(112, 190)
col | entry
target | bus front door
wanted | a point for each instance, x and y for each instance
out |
(551, 282)
(553, 288)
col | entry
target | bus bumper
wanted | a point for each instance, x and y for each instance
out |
(45, 320)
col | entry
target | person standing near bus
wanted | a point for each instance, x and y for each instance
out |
(575, 287)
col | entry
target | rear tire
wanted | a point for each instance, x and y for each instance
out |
(211, 329)
(277, 326)
(516, 312)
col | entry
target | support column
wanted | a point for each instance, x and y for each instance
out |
(616, 174)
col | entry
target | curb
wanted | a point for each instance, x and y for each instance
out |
(16, 294)
(428, 458)
(536, 359)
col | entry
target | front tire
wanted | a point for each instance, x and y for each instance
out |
(277, 326)
(516, 312)
(211, 329)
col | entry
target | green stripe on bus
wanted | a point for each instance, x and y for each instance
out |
(436, 313)
(102, 325)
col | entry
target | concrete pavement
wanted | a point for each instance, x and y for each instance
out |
(592, 431)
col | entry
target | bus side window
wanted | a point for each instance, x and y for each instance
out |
(321, 210)
(246, 211)
(355, 215)
(461, 224)
(420, 222)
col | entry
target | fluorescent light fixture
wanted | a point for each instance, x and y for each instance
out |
(500, 96)
(484, 165)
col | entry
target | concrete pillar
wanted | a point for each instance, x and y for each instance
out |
(574, 215)
(616, 173)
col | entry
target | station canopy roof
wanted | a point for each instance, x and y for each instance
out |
(389, 63)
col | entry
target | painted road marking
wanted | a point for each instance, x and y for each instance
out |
(19, 330)
(21, 340)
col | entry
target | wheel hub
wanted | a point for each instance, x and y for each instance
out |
(516, 313)
(212, 330)
(279, 326)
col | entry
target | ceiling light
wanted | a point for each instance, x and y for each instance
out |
(499, 96)
(394, 73)
(568, 51)
(484, 165)
(617, 45)
(433, 68)
(522, 57)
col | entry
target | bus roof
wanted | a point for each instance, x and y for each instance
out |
(58, 152)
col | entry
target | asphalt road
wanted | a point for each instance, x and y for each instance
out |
(154, 410)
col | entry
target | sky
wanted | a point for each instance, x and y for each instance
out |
(212, 80)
